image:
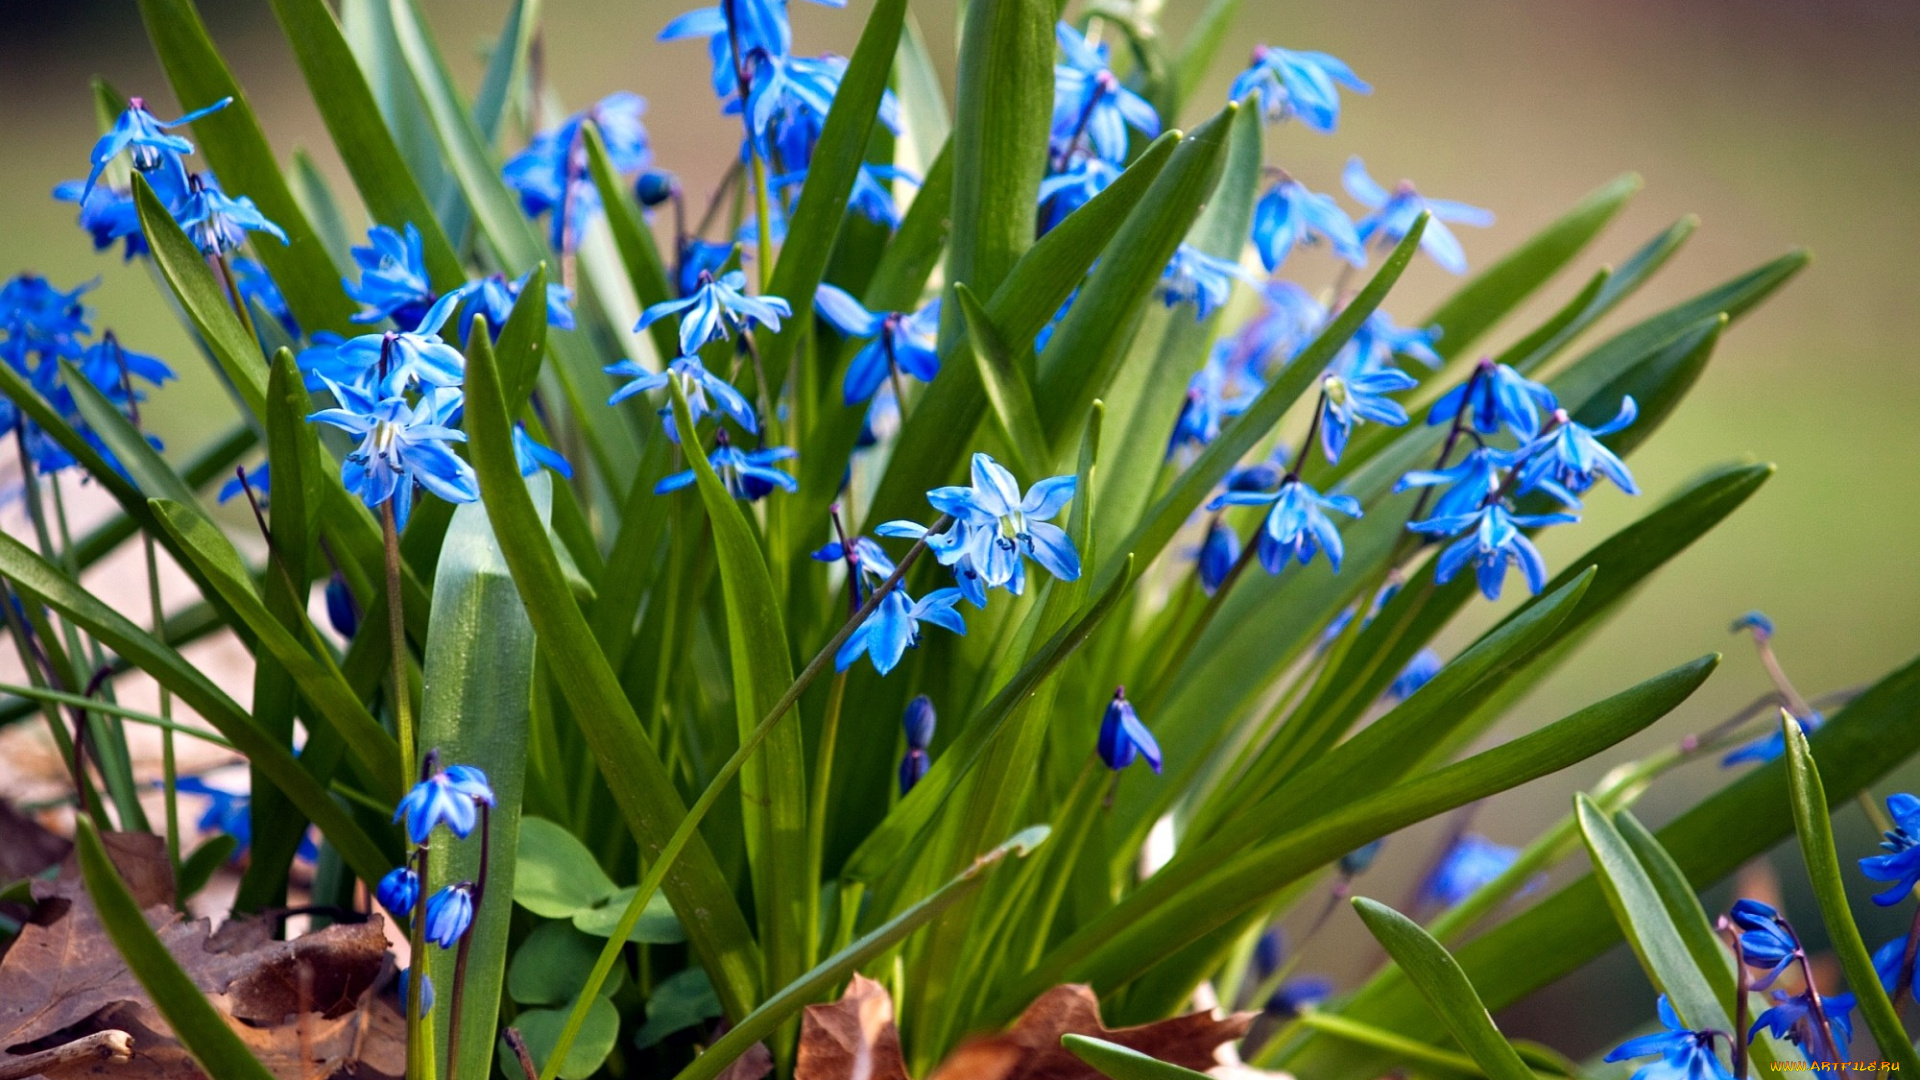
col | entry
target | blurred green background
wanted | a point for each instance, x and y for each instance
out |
(1780, 123)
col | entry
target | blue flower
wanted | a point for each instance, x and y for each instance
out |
(449, 914)
(1891, 961)
(1493, 395)
(1570, 454)
(1355, 862)
(231, 813)
(1684, 1054)
(259, 478)
(219, 222)
(550, 175)
(494, 296)
(894, 627)
(1288, 319)
(1792, 1018)
(1297, 84)
(1470, 863)
(399, 890)
(695, 381)
(1194, 277)
(1470, 483)
(342, 613)
(1001, 525)
(1357, 395)
(914, 765)
(400, 445)
(450, 797)
(532, 456)
(1089, 102)
(1123, 737)
(1773, 745)
(1766, 941)
(747, 474)
(763, 31)
(1755, 622)
(954, 550)
(1394, 214)
(1419, 672)
(144, 138)
(1490, 538)
(109, 214)
(426, 992)
(787, 104)
(111, 368)
(869, 560)
(393, 277)
(871, 198)
(1296, 526)
(1298, 995)
(919, 722)
(258, 288)
(390, 363)
(1289, 214)
(716, 307)
(1218, 552)
(901, 341)
(1901, 863)
(1085, 176)
(1214, 396)
(698, 257)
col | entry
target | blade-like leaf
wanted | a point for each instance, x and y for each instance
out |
(1118, 1062)
(1448, 992)
(1004, 109)
(634, 240)
(1007, 388)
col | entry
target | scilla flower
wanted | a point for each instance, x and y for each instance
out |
(1288, 214)
(532, 456)
(894, 627)
(450, 797)
(1359, 394)
(393, 277)
(1901, 863)
(1766, 941)
(400, 445)
(112, 367)
(1394, 213)
(144, 138)
(1470, 863)
(393, 362)
(717, 307)
(1215, 395)
(1090, 103)
(426, 991)
(1570, 454)
(1296, 526)
(695, 381)
(1197, 278)
(1490, 538)
(399, 890)
(449, 914)
(1297, 84)
(1493, 395)
(1469, 484)
(1419, 672)
(494, 296)
(901, 341)
(1793, 1018)
(1123, 737)
(1085, 176)
(218, 222)
(1684, 1054)
(1893, 963)
(259, 478)
(1218, 552)
(1002, 525)
(918, 722)
(747, 474)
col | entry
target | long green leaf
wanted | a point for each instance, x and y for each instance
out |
(1118, 1062)
(1445, 986)
(1003, 111)
(214, 1046)
(1007, 388)
(634, 240)
(1814, 822)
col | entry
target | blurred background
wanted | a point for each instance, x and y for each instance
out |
(1779, 123)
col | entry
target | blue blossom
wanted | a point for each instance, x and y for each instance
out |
(231, 813)
(426, 992)
(1792, 1018)
(1289, 214)
(259, 478)
(1493, 395)
(716, 307)
(1891, 961)
(1084, 176)
(1001, 525)
(494, 296)
(1289, 318)
(111, 367)
(400, 445)
(109, 213)
(1297, 84)
(871, 196)
(1470, 863)
(1470, 483)
(953, 548)
(1379, 340)
(1214, 395)
(449, 914)
(218, 222)
(390, 363)
(1570, 454)
(1296, 526)
(533, 456)
(919, 723)
(1773, 745)
(1394, 213)
(1123, 737)
(788, 99)
(258, 288)
(1419, 672)
(1684, 1054)
(394, 282)
(763, 29)
(1194, 277)
(1359, 394)
(697, 258)
(399, 890)
(695, 381)
(1755, 622)
(747, 474)
(894, 627)
(1090, 102)
(451, 797)
(1901, 863)
(342, 613)
(1490, 538)
(1298, 995)
(144, 138)
(1355, 862)
(550, 175)
(901, 341)
(1766, 941)
(870, 562)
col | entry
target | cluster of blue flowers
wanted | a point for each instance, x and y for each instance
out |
(458, 798)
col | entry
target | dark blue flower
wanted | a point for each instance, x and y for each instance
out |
(1773, 745)
(342, 613)
(111, 368)
(1490, 538)
(717, 307)
(532, 456)
(1297, 84)
(1684, 1054)
(1288, 319)
(901, 341)
(1218, 552)
(871, 197)
(762, 30)
(449, 914)
(1355, 395)
(231, 813)
(1355, 862)
(747, 474)
(1089, 102)
(1298, 995)
(1296, 527)
(698, 258)
(1469, 483)
(1792, 1018)
(218, 222)
(1571, 455)
(400, 445)
(1394, 213)
(1194, 277)
(390, 363)
(550, 175)
(1379, 340)
(1470, 863)
(1766, 941)
(259, 289)
(426, 992)
(450, 797)
(870, 561)
(394, 282)
(1891, 961)
(494, 296)
(399, 890)
(953, 549)
(1215, 394)
(919, 721)
(1123, 737)
(259, 478)
(1755, 622)
(1084, 176)
(144, 138)
(894, 627)
(1419, 672)
(1901, 863)
(695, 381)
(1289, 214)
(1493, 395)
(914, 765)
(109, 214)
(1001, 525)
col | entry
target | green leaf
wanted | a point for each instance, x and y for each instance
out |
(1118, 1062)
(352, 116)
(635, 776)
(541, 1029)
(507, 59)
(634, 240)
(198, 868)
(1004, 109)
(1007, 388)
(923, 101)
(815, 984)
(1643, 917)
(1813, 821)
(657, 925)
(679, 1001)
(550, 967)
(214, 1046)
(1445, 986)
(557, 874)
(216, 460)
(1202, 44)
(233, 143)
(836, 163)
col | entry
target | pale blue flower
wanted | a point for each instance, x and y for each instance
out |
(1297, 84)
(1394, 214)
(1289, 214)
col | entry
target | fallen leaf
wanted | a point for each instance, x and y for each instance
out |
(1188, 1041)
(754, 1063)
(25, 847)
(851, 1039)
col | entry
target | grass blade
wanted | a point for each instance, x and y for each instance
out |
(1008, 390)
(1445, 986)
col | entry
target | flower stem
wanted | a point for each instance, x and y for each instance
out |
(397, 631)
(419, 1033)
(817, 816)
(169, 769)
(233, 295)
(1737, 1043)
(456, 999)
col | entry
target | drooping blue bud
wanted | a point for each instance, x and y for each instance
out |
(919, 722)
(1123, 737)
(449, 914)
(426, 992)
(1758, 623)
(399, 890)
(1355, 862)
(1218, 553)
(913, 768)
(653, 187)
(341, 612)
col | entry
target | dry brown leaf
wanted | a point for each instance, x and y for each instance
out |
(754, 1063)
(25, 847)
(851, 1039)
